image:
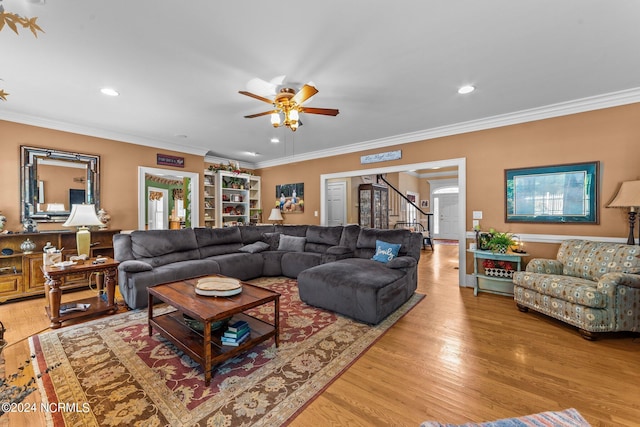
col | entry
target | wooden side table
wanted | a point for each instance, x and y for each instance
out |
(53, 280)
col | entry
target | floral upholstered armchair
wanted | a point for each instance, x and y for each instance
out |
(594, 286)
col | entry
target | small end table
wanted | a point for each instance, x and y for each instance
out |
(97, 305)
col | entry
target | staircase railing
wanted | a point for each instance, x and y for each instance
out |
(428, 215)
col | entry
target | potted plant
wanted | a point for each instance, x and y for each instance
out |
(500, 242)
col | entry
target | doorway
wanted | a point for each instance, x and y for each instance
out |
(157, 208)
(460, 227)
(336, 203)
(445, 216)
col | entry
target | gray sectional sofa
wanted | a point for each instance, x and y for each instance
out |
(333, 265)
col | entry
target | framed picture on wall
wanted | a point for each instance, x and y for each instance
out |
(553, 194)
(424, 203)
(290, 198)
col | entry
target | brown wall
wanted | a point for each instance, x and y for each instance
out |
(610, 136)
(119, 163)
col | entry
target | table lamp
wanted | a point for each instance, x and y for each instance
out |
(628, 197)
(83, 216)
(275, 215)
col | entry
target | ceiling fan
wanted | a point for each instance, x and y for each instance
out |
(287, 106)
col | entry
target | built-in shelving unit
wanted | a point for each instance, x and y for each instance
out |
(230, 198)
(255, 204)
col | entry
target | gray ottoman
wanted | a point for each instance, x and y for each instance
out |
(363, 289)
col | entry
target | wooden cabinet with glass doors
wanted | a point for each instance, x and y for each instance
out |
(373, 202)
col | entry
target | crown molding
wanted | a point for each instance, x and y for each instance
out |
(613, 99)
(97, 132)
(598, 102)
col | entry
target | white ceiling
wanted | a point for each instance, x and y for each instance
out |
(392, 68)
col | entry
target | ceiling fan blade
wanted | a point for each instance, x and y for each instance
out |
(303, 94)
(323, 111)
(260, 114)
(258, 97)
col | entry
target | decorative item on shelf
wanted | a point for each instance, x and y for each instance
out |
(628, 196)
(518, 245)
(500, 242)
(482, 240)
(7, 251)
(104, 218)
(229, 167)
(27, 246)
(30, 226)
(3, 221)
(496, 241)
(498, 268)
(83, 216)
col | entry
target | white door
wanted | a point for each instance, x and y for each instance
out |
(445, 216)
(336, 203)
(157, 208)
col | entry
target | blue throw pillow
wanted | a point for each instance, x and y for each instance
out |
(385, 252)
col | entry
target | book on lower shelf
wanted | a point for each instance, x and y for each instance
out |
(234, 342)
(67, 308)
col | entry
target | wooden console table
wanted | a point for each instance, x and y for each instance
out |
(54, 277)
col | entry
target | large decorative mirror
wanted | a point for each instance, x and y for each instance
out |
(53, 180)
(167, 199)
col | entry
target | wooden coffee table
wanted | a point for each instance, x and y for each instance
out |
(205, 347)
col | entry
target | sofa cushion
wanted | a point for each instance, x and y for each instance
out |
(568, 288)
(241, 265)
(253, 233)
(293, 263)
(217, 236)
(402, 262)
(324, 235)
(217, 241)
(255, 247)
(366, 243)
(292, 230)
(134, 266)
(154, 243)
(122, 247)
(273, 239)
(385, 252)
(592, 260)
(291, 243)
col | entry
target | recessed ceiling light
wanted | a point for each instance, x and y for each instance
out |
(275, 140)
(252, 153)
(466, 89)
(109, 91)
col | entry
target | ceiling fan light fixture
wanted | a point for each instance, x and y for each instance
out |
(294, 116)
(275, 120)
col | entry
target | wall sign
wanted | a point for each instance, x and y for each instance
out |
(381, 157)
(167, 160)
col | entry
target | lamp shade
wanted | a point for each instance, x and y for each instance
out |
(275, 215)
(82, 216)
(628, 196)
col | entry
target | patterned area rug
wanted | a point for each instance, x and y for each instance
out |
(113, 373)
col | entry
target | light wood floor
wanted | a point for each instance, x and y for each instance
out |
(454, 358)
